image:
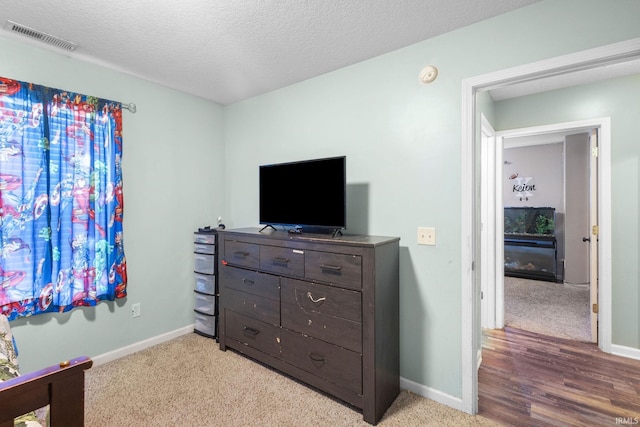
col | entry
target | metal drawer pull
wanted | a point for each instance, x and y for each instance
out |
(241, 253)
(315, 301)
(316, 357)
(330, 267)
(281, 260)
(250, 331)
(248, 282)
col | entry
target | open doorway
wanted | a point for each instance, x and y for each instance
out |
(546, 181)
(471, 293)
(547, 178)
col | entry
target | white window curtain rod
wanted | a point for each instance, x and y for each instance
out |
(130, 106)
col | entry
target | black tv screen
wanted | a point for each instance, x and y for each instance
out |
(306, 193)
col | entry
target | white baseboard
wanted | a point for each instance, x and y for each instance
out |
(630, 352)
(430, 393)
(140, 345)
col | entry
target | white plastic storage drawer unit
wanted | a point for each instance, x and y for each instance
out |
(206, 283)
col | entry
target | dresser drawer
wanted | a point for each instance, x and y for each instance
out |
(250, 305)
(204, 264)
(242, 254)
(297, 315)
(332, 363)
(325, 300)
(201, 248)
(345, 270)
(285, 261)
(259, 335)
(252, 282)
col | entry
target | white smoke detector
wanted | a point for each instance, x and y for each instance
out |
(428, 74)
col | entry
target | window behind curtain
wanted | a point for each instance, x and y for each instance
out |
(61, 200)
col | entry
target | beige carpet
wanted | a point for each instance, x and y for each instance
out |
(547, 308)
(189, 382)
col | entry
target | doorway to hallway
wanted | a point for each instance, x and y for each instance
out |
(556, 163)
(561, 66)
(545, 180)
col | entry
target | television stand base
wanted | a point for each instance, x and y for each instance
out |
(267, 226)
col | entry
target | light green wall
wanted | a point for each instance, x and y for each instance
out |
(173, 169)
(486, 106)
(402, 142)
(619, 99)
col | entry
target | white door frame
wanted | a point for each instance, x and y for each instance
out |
(489, 233)
(566, 64)
(595, 287)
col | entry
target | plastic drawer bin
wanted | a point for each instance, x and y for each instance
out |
(209, 239)
(205, 303)
(205, 284)
(204, 249)
(204, 264)
(205, 324)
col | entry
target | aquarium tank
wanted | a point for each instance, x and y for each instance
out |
(536, 221)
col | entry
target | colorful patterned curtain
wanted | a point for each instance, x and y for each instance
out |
(61, 200)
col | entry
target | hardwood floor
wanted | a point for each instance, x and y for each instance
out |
(527, 379)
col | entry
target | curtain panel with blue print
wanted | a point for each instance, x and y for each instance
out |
(61, 200)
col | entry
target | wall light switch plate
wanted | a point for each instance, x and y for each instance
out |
(427, 236)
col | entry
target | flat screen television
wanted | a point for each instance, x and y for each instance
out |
(304, 194)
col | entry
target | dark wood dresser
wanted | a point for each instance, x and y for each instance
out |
(321, 309)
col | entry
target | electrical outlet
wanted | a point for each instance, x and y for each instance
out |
(135, 310)
(427, 236)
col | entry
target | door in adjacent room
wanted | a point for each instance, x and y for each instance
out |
(576, 237)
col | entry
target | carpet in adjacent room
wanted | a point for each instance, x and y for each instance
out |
(547, 308)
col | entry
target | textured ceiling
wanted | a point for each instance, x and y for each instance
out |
(230, 50)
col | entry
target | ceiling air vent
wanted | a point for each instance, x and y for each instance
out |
(40, 36)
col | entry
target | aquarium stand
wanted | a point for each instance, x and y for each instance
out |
(530, 256)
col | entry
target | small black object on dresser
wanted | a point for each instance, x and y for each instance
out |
(321, 309)
(206, 282)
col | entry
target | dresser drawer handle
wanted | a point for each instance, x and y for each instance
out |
(248, 282)
(281, 260)
(315, 301)
(241, 253)
(330, 267)
(250, 331)
(316, 358)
